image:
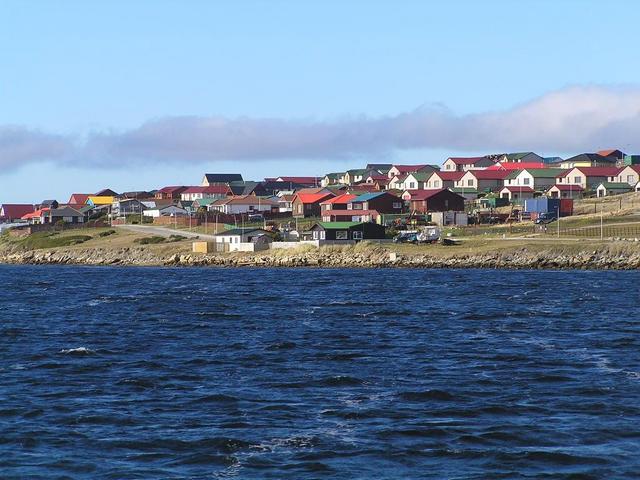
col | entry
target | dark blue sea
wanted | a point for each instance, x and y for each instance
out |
(154, 373)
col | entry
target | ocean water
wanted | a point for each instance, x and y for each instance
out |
(127, 373)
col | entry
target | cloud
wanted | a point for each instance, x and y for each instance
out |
(574, 119)
(19, 146)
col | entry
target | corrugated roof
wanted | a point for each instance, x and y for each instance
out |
(338, 225)
(344, 198)
(365, 197)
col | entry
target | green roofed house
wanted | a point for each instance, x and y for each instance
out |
(353, 231)
(606, 189)
(333, 178)
(535, 178)
(522, 157)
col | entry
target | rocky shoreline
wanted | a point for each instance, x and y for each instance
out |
(376, 258)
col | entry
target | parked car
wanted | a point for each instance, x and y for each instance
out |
(406, 237)
(546, 217)
(255, 217)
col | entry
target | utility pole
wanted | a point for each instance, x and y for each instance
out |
(558, 220)
(601, 223)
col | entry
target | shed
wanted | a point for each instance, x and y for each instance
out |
(347, 231)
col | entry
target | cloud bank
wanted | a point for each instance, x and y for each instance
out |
(574, 119)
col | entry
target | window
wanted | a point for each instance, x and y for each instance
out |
(630, 179)
(412, 186)
(577, 179)
(342, 235)
(448, 167)
(397, 205)
(357, 235)
(470, 182)
(316, 235)
(436, 183)
(525, 181)
(299, 208)
(323, 235)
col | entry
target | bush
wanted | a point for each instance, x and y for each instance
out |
(149, 240)
(176, 238)
(107, 233)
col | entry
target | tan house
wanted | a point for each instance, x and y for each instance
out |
(443, 179)
(462, 164)
(565, 191)
(536, 178)
(629, 174)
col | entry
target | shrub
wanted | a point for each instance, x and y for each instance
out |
(107, 233)
(149, 240)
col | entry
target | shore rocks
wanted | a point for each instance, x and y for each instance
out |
(376, 258)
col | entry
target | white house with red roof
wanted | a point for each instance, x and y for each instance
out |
(443, 179)
(629, 174)
(243, 204)
(561, 190)
(588, 177)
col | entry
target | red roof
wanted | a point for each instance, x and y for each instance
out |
(517, 166)
(79, 198)
(172, 189)
(13, 211)
(449, 175)
(567, 187)
(606, 153)
(408, 168)
(597, 171)
(514, 189)
(489, 174)
(341, 199)
(37, 213)
(424, 194)
(313, 197)
(465, 160)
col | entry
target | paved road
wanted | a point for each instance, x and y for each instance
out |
(165, 232)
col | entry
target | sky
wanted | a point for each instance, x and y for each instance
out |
(135, 95)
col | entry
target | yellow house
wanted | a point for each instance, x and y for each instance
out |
(98, 201)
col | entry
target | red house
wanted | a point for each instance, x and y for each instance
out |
(10, 212)
(424, 201)
(308, 204)
(170, 193)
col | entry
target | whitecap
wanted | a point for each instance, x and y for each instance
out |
(77, 351)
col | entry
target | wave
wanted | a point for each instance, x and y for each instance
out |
(77, 351)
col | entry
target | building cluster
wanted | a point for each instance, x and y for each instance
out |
(378, 194)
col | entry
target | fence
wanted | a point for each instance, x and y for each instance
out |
(606, 204)
(597, 231)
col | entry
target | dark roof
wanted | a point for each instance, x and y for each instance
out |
(105, 192)
(65, 212)
(591, 157)
(223, 177)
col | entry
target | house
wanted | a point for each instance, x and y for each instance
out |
(244, 204)
(404, 170)
(49, 204)
(137, 194)
(382, 202)
(588, 177)
(276, 188)
(358, 175)
(442, 179)
(285, 203)
(106, 192)
(302, 181)
(606, 189)
(173, 192)
(78, 198)
(517, 194)
(383, 168)
(332, 178)
(483, 180)
(308, 204)
(166, 211)
(613, 153)
(100, 201)
(243, 235)
(520, 157)
(536, 178)
(629, 174)
(424, 201)
(337, 203)
(397, 182)
(588, 160)
(64, 214)
(467, 193)
(353, 231)
(127, 206)
(417, 180)
(220, 178)
(462, 164)
(560, 190)
(350, 216)
(212, 191)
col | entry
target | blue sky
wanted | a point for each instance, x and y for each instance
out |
(141, 94)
